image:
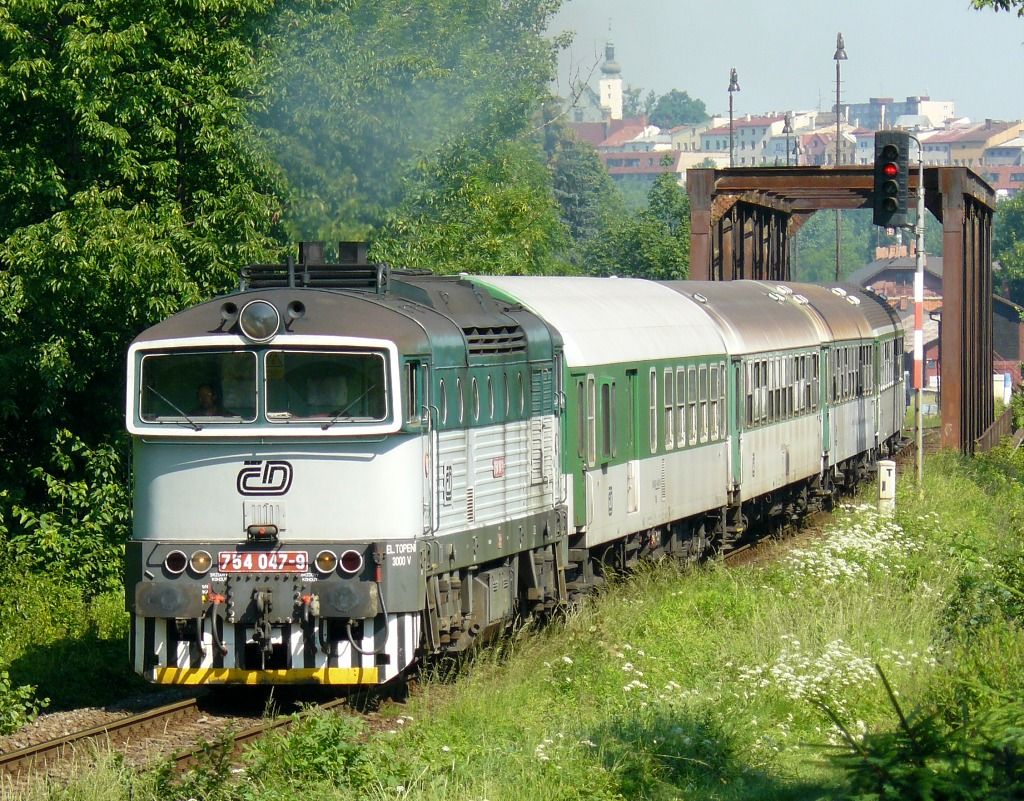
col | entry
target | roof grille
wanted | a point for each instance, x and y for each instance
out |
(351, 271)
(499, 339)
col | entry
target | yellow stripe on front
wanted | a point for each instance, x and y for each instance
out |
(328, 675)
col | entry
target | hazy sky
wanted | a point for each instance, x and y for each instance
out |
(782, 51)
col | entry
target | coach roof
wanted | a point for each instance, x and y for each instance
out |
(613, 320)
(753, 317)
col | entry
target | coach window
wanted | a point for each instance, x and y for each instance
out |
(490, 397)
(443, 401)
(591, 421)
(653, 409)
(834, 368)
(702, 388)
(670, 405)
(691, 399)
(815, 380)
(790, 381)
(749, 387)
(462, 400)
(714, 402)
(607, 420)
(723, 414)
(522, 395)
(504, 381)
(778, 387)
(681, 406)
(581, 419)
(805, 386)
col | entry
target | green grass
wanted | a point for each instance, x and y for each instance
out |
(716, 684)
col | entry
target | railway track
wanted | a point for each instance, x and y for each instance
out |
(173, 731)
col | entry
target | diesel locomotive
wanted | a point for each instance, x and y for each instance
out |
(341, 468)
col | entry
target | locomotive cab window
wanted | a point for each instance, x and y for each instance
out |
(220, 387)
(316, 385)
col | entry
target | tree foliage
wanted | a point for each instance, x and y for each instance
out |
(1001, 5)
(367, 94)
(652, 243)
(589, 201)
(478, 213)
(677, 108)
(1008, 248)
(815, 247)
(130, 184)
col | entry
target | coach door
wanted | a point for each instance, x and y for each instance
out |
(736, 415)
(824, 376)
(584, 388)
(631, 444)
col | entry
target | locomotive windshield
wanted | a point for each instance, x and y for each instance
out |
(200, 388)
(325, 386)
(217, 386)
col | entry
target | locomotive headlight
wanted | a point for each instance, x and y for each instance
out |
(200, 562)
(351, 562)
(175, 562)
(326, 561)
(259, 320)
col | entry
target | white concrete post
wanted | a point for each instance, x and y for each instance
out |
(886, 486)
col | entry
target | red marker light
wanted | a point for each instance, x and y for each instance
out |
(890, 170)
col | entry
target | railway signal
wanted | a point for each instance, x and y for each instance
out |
(892, 155)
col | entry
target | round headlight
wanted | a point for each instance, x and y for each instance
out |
(326, 561)
(200, 562)
(259, 320)
(175, 562)
(351, 562)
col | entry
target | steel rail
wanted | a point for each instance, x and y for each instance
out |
(15, 764)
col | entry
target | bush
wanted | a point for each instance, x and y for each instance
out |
(79, 531)
(979, 756)
(18, 705)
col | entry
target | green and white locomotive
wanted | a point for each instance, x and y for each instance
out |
(340, 468)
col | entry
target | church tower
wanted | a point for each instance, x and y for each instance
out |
(610, 85)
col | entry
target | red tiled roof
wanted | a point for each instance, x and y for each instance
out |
(625, 134)
(975, 133)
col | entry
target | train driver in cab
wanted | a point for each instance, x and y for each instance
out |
(209, 404)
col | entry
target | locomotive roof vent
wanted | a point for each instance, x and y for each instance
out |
(498, 339)
(352, 270)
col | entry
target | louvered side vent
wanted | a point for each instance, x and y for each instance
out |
(542, 399)
(470, 505)
(500, 339)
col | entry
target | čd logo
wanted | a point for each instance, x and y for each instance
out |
(268, 477)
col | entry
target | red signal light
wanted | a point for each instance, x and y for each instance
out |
(890, 170)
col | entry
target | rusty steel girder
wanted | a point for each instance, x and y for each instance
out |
(743, 219)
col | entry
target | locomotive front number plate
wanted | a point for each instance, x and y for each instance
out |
(263, 562)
